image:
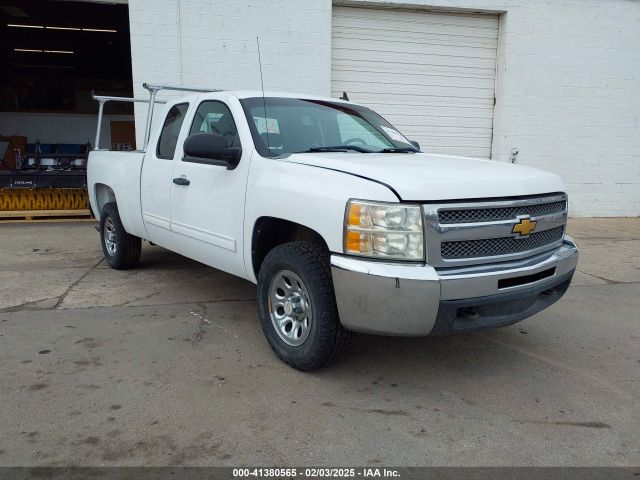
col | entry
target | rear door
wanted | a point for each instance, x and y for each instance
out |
(207, 202)
(157, 176)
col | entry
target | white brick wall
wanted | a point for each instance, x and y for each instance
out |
(567, 92)
(212, 43)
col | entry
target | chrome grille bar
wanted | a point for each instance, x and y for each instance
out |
(482, 232)
(500, 246)
(473, 215)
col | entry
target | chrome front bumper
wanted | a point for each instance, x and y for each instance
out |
(397, 299)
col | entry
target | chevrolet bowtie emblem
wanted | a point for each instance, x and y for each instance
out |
(524, 227)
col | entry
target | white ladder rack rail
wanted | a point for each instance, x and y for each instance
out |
(153, 90)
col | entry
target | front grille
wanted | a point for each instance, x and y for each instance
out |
(475, 215)
(489, 247)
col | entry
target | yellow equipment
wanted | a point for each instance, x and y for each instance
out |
(15, 199)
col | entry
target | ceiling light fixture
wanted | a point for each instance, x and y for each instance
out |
(31, 50)
(77, 29)
(105, 30)
(63, 28)
(23, 26)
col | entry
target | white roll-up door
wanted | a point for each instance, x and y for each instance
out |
(430, 74)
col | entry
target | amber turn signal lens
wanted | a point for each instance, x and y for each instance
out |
(354, 242)
(355, 211)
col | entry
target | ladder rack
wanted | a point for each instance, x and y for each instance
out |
(153, 90)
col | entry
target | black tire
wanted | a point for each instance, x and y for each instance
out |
(327, 339)
(126, 253)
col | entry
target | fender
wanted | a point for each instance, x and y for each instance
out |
(311, 196)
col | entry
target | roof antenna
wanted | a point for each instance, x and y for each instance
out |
(264, 102)
(344, 96)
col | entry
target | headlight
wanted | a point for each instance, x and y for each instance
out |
(384, 230)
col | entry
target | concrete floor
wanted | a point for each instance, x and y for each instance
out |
(167, 364)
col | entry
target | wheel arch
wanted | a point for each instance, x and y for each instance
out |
(104, 194)
(269, 232)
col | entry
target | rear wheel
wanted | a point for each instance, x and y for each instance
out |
(121, 250)
(297, 306)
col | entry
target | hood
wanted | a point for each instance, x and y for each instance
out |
(427, 177)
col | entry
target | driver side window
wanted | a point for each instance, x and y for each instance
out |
(215, 117)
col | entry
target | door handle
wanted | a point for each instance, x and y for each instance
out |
(181, 181)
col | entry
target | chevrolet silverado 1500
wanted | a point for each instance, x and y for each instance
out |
(343, 223)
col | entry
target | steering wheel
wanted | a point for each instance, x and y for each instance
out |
(354, 140)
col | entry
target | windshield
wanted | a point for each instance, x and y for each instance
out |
(293, 125)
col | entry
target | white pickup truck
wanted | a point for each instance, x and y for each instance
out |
(343, 223)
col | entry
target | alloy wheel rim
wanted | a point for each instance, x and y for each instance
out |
(110, 236)
(290, 308)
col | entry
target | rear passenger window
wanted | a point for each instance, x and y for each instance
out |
(170, 131)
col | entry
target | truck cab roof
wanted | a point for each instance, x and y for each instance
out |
(242, 94)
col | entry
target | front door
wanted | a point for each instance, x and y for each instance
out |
(157, 176)
(207, 201)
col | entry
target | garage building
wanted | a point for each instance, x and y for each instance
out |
(555, 85)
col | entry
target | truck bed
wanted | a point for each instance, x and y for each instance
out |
(121, 172)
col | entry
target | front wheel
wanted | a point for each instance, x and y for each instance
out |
(297, 306)
(121, 250)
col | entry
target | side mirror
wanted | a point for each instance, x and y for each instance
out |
(415, 144)
(211, 149)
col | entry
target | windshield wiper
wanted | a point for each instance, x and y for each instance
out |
(399, 150)
(337, 148)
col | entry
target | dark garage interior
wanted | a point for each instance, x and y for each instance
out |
(53, 55)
